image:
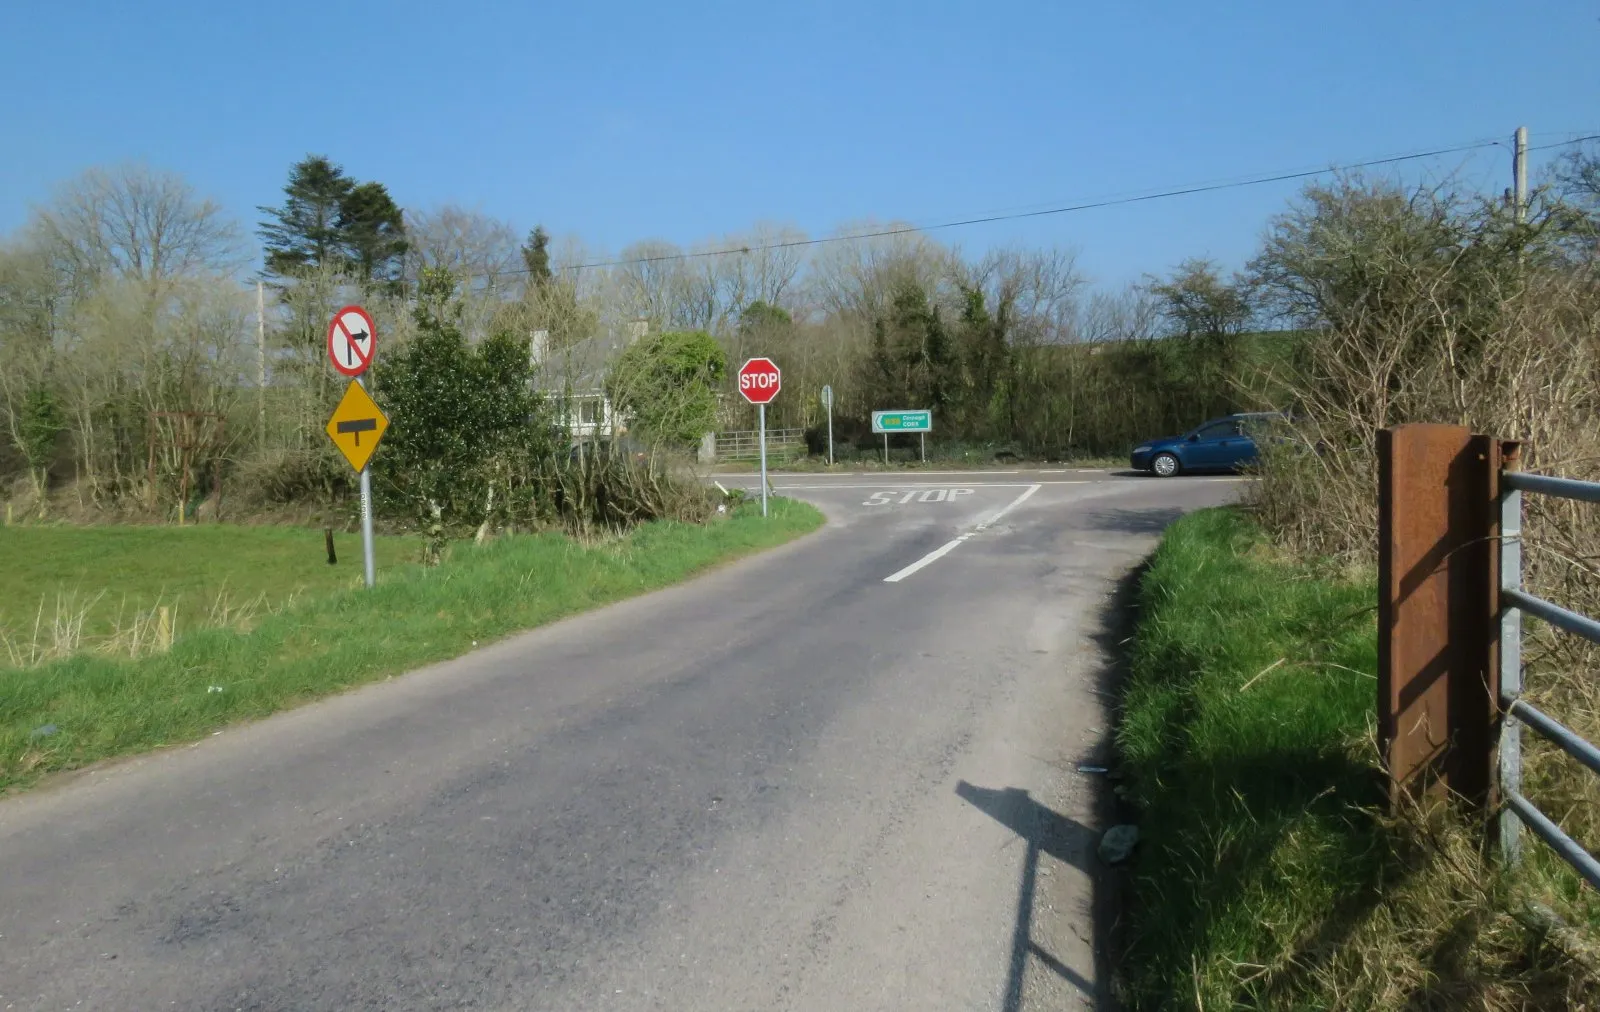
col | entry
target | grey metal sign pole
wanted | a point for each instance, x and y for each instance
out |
(366, 519)
(762, 409)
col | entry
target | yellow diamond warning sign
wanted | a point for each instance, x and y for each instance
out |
(356, 426)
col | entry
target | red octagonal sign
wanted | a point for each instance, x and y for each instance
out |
(759, 380)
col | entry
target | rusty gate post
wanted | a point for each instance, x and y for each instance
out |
(1438, 563)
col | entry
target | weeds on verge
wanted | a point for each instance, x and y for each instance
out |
(1270, 874)
(59, 632)
(1433, 308)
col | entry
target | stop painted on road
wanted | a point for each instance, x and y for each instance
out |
(928, 495)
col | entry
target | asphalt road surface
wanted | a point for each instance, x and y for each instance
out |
(838, 776)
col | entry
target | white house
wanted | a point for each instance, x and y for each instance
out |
(574, 378)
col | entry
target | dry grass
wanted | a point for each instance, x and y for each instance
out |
(1446, 929)
(1432, 311)
(130, 591)
(1499, 331)
(58, 629)
(1270, 875)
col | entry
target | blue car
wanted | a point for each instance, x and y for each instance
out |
(1221, 444)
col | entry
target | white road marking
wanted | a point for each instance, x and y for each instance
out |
(926, 560)
(850, 474)
(861, 474)
(912, 487)
(950, 546)
(745, 475)
(921, 485)
(883, 497)
(1018, 501)
(963, 472)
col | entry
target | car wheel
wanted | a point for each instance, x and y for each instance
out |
(1165, 465)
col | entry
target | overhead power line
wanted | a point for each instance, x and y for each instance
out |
(1014, 216)
(1178, 191)
(1565, 144)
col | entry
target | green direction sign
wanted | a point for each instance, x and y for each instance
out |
(902, 421)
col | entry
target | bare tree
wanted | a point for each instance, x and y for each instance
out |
(29, 296)
(646, 277)
(1339, 253)
(859, 275)
(657, 281)
(1576, 176)
(1036, 290)
(135, 223)
(481, 252)
(1127, 315)
(761, 265)
(470, 244)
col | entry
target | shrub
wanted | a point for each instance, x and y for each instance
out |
(1429, 308)
(666, 384)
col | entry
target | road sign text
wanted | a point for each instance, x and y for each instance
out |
(928, 495)
(760, 380)
(902, 421)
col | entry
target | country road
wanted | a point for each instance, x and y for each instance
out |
(837, 776)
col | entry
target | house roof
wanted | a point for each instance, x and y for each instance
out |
(582, 366)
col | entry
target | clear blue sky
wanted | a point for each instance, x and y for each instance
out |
(625, 121)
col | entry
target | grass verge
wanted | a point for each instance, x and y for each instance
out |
(1267, 876)
(100, 707)
(65, 589)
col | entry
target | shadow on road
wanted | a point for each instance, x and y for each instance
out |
(1146, 520)
(1047, 832)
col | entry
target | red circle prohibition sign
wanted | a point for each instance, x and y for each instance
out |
(351, 340)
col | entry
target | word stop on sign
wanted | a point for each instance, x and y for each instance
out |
(887, 497)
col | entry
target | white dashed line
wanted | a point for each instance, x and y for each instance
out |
(950, 546)
(926, 560)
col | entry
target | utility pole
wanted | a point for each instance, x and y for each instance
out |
(1519, 174)
(261, 365)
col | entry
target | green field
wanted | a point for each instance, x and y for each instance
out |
(65, 713)
(65, 589)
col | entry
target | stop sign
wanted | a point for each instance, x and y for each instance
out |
(759, 380)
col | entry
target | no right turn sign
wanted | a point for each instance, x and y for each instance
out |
(351, 340)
